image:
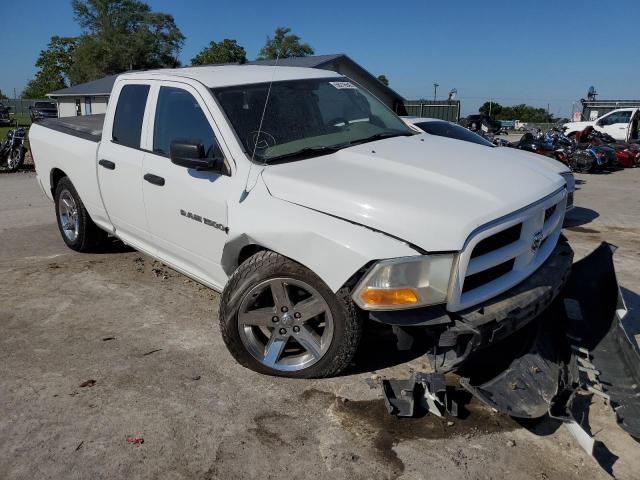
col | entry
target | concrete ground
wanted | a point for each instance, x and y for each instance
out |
(98, 348)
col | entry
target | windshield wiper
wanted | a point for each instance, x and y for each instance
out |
(306, 152)
(380, 136)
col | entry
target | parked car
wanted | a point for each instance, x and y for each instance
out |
(621, 124)
(40, 110)
(442, 128)
(312, 207)
(5, 115)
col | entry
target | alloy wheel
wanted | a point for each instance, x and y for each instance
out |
(285, 324)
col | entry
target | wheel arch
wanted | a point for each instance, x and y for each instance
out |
(55, 176)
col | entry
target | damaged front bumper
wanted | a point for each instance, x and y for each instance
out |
(454, 337)
(579, 342)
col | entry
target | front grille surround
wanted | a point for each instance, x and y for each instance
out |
(484, 269)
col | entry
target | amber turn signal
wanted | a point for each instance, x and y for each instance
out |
(388, 296)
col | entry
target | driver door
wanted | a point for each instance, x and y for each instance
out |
(186, 208)
(616, 124)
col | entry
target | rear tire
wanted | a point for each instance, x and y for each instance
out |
(314, 331)
(76, 227)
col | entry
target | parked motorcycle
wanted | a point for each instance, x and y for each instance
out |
(591, 153)
(12, 149)
(552, 144)
(627, 154)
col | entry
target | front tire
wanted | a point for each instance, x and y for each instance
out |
(76, 227)
(15, 159)
(279, 318)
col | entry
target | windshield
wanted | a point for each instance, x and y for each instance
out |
(45, 105)
(306, 117)
(451, 130)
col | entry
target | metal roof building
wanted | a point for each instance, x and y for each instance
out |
(84, 98)
(597, 108)
(92, 97)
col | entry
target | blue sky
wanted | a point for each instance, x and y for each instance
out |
(536, 52)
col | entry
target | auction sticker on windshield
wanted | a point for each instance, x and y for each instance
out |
(343, 85)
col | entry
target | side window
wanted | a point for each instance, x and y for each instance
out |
(617, 117)
(622, 117)
(127, 122)
(179, 117)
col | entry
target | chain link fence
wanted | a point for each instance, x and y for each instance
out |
(20, 108)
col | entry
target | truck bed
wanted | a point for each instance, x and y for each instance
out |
(88, 127)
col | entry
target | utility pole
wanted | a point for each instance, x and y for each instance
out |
(435, 90)
(490, 105)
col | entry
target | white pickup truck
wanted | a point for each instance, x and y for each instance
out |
(313, 208)
(621, 124)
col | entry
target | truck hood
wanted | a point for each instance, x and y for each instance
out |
(427, 190)
(578, 126)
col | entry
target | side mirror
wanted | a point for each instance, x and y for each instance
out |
(192, 155)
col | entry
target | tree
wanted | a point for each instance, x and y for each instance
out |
(120, 35)
(226, 51)
(383, 79)
(3, 96)
(284, 45)
(54, 64)
(522, 112)
(491, 108)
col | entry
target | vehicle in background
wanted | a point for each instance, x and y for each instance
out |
(12, 150)
(508, 125)
(482, 123)
(442, 128)
(41, 110)
(5, 115)
(621, 124)
(312, 207)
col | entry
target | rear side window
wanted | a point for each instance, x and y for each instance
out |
(127, 122)
(450, 130)
(179, 117)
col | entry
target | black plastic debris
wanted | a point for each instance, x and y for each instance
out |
(607, 359)
(580, 344)
(427, 391)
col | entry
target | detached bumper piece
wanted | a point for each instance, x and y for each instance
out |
(583, 345)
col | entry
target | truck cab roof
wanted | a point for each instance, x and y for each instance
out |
(214, 76)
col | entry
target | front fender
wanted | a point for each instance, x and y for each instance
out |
(334, 249)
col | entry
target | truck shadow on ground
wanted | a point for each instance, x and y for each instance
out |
(112, 245)
(579, 216)
(379, 338)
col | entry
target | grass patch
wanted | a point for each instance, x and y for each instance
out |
(21, 119)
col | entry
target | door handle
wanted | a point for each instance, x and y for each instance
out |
(107, 164)
(156, 180)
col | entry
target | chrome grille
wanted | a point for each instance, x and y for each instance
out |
(502, 254)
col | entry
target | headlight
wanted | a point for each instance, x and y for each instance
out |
(406, 282)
